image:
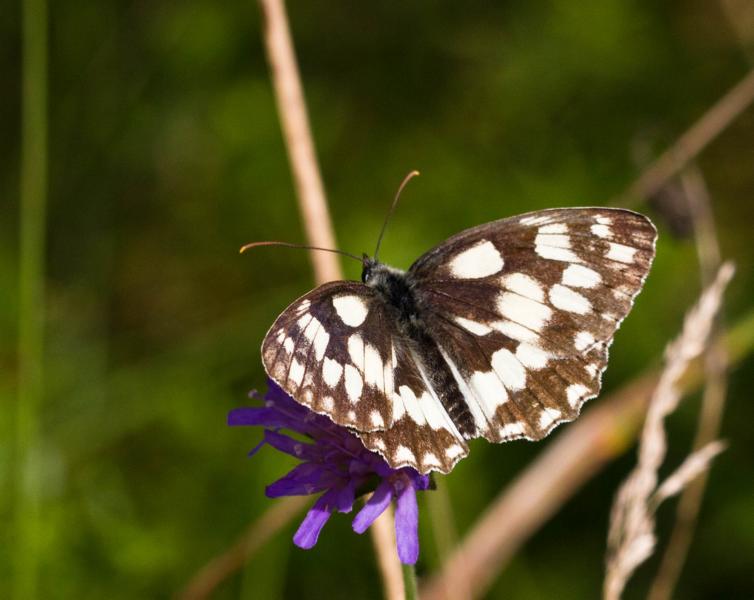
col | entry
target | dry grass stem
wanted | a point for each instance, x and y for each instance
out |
(631, 537)
(694, 465)
(691, 143)
(713, 399)
(299, 143)
(383, 538)
(209, 577)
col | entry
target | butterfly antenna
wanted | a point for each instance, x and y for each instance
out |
(406, 179)
(301, 246)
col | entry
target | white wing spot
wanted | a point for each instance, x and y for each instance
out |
(561, 254)
(511, 429)
(602, 231)
(621, 253)
(289, 345)
(411, 405)
(430, 460)
(374, 371)
(311, 327)
(356, 351)
(532, 356)
(473, 326)
(376, 418)
(379, 443)
(548, 417)
(321, 340)
(555, 240)
(604, 220)
(403, 455)
(583, 340)
(478, 261)
(591, 369)
(523, 285)
(566, 299)
(509, 369)
(579, 276)
(433, 411)
(453, 451)
(280, 336)
(536, 219)
(489, 390)
(352, 415)
(524, 311)
(351, 309)
(328, 403)
(554, 228)
(515, 331)
(296, 373)
(354, 383)
(575, 392)
(332, 371)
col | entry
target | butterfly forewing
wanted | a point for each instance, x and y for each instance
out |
(331, 349)
(525, 309)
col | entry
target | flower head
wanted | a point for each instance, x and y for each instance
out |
(336, 464)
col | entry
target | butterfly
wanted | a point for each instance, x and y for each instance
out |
(501, 332)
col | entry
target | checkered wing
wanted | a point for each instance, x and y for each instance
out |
(337, 350)
(331, 351)
(524, 310)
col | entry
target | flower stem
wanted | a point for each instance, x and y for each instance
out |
(409, 582)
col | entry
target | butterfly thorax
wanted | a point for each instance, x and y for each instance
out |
(394, 287)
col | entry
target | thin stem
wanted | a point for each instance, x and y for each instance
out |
(206, 580)
(409, 582)
(383, 539)
(691, 143)
(299, 143)
(31, 294)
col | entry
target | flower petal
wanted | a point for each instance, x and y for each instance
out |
(407, 525)
(291, 446)
(302, 480)
(308, 532)
(374, 507)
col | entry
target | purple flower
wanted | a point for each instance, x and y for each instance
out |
(336, 463)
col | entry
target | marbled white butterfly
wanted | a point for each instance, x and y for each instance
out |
(502, 332)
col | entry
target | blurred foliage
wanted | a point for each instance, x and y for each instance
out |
(166, 156)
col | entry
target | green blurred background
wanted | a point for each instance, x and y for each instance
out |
(166, 155)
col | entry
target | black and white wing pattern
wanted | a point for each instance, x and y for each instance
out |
(502, 332)
(331, 351)
(338, 351)
(524, 310)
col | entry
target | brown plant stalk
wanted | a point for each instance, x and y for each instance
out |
(299, 143)
(690, 143)
(209, 577)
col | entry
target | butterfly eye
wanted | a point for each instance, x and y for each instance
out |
(366, 273)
